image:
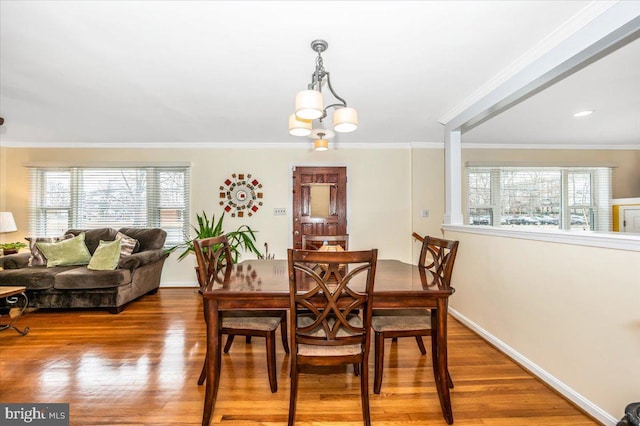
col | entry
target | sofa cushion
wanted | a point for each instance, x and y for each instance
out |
(37, 258)
(66, 252)
(149, 238)
(83, 278)
(32, 277)
(93, 236)
(128, 245)
(106, 256)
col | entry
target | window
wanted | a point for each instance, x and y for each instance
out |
(540, 197)
(86, 197)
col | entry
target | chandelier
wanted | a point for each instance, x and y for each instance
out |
(309, 106)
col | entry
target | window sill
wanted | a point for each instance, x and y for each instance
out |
(611, 240)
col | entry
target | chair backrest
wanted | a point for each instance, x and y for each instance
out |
(324, 298)
(314, 242)
(438, 255)
(212, 255)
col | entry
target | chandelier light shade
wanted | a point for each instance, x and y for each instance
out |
(309, 106)
(7, 223)
(299, 127)
(320, 145)
(345, 120)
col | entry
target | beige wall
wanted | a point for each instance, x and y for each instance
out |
(378, 191)
(427, 193)
(571, 310)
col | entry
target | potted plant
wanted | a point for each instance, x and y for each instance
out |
(11, 248)
(242, 239)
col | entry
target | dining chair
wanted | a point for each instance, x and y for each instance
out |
(214, 261)
(327, 333)
(314, 242)
(438, 256)
(328, 243)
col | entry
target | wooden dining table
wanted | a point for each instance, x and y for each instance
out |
(264, 284)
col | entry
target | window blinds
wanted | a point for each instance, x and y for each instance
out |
(94, 197)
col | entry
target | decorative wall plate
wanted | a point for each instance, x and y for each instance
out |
(241, 194)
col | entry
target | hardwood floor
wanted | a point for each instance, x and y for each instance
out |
(140, 367)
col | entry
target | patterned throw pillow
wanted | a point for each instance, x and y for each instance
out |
(37, 258)
(127, 244)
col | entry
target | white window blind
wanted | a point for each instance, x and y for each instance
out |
(95, 197)
(570, 198)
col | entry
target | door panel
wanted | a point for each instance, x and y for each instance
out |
(631, 220)
(329, 183)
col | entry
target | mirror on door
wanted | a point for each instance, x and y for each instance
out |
(320, 200)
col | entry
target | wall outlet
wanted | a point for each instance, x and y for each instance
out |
(424, 213)
(279, 211)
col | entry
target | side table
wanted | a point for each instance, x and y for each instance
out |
(14, 295)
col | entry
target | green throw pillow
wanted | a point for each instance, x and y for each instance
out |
(66, 252)
(106, 256)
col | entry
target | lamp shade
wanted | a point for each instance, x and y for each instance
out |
(298, 127)
(309, 104)
(320, 145)
(345, 120)
(7, 224)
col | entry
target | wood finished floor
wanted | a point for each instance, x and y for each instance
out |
(140, 368)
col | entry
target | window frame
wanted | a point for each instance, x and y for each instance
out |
(598, 205)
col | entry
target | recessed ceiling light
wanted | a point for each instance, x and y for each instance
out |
(583, 113)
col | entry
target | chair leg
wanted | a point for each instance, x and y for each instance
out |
(356, 370)
(227, 345)
(293, 394)
(271, 361)
(423, 350)
(284, 333)
(247, 339)
(379, 362)
(364, 394)
(203, 373)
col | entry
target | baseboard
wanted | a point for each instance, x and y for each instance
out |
(587, 406)
(174, 284)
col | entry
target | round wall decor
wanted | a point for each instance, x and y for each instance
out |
(241, 193)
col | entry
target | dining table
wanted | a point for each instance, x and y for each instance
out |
(264, 284)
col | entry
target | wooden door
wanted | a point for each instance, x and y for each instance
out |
(319, 202)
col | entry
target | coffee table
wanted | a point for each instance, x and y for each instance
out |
(14, 295)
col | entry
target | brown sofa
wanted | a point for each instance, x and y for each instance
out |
(79, 287)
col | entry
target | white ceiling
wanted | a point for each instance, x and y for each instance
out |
(103, 73)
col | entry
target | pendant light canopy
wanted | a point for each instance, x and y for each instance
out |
(309, 106)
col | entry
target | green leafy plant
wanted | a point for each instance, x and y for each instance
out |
(12, 247)
(242, 239)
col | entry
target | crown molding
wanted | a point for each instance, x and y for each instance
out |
(630, 147)
(308, 146)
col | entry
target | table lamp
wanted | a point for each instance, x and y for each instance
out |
(7, 223)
